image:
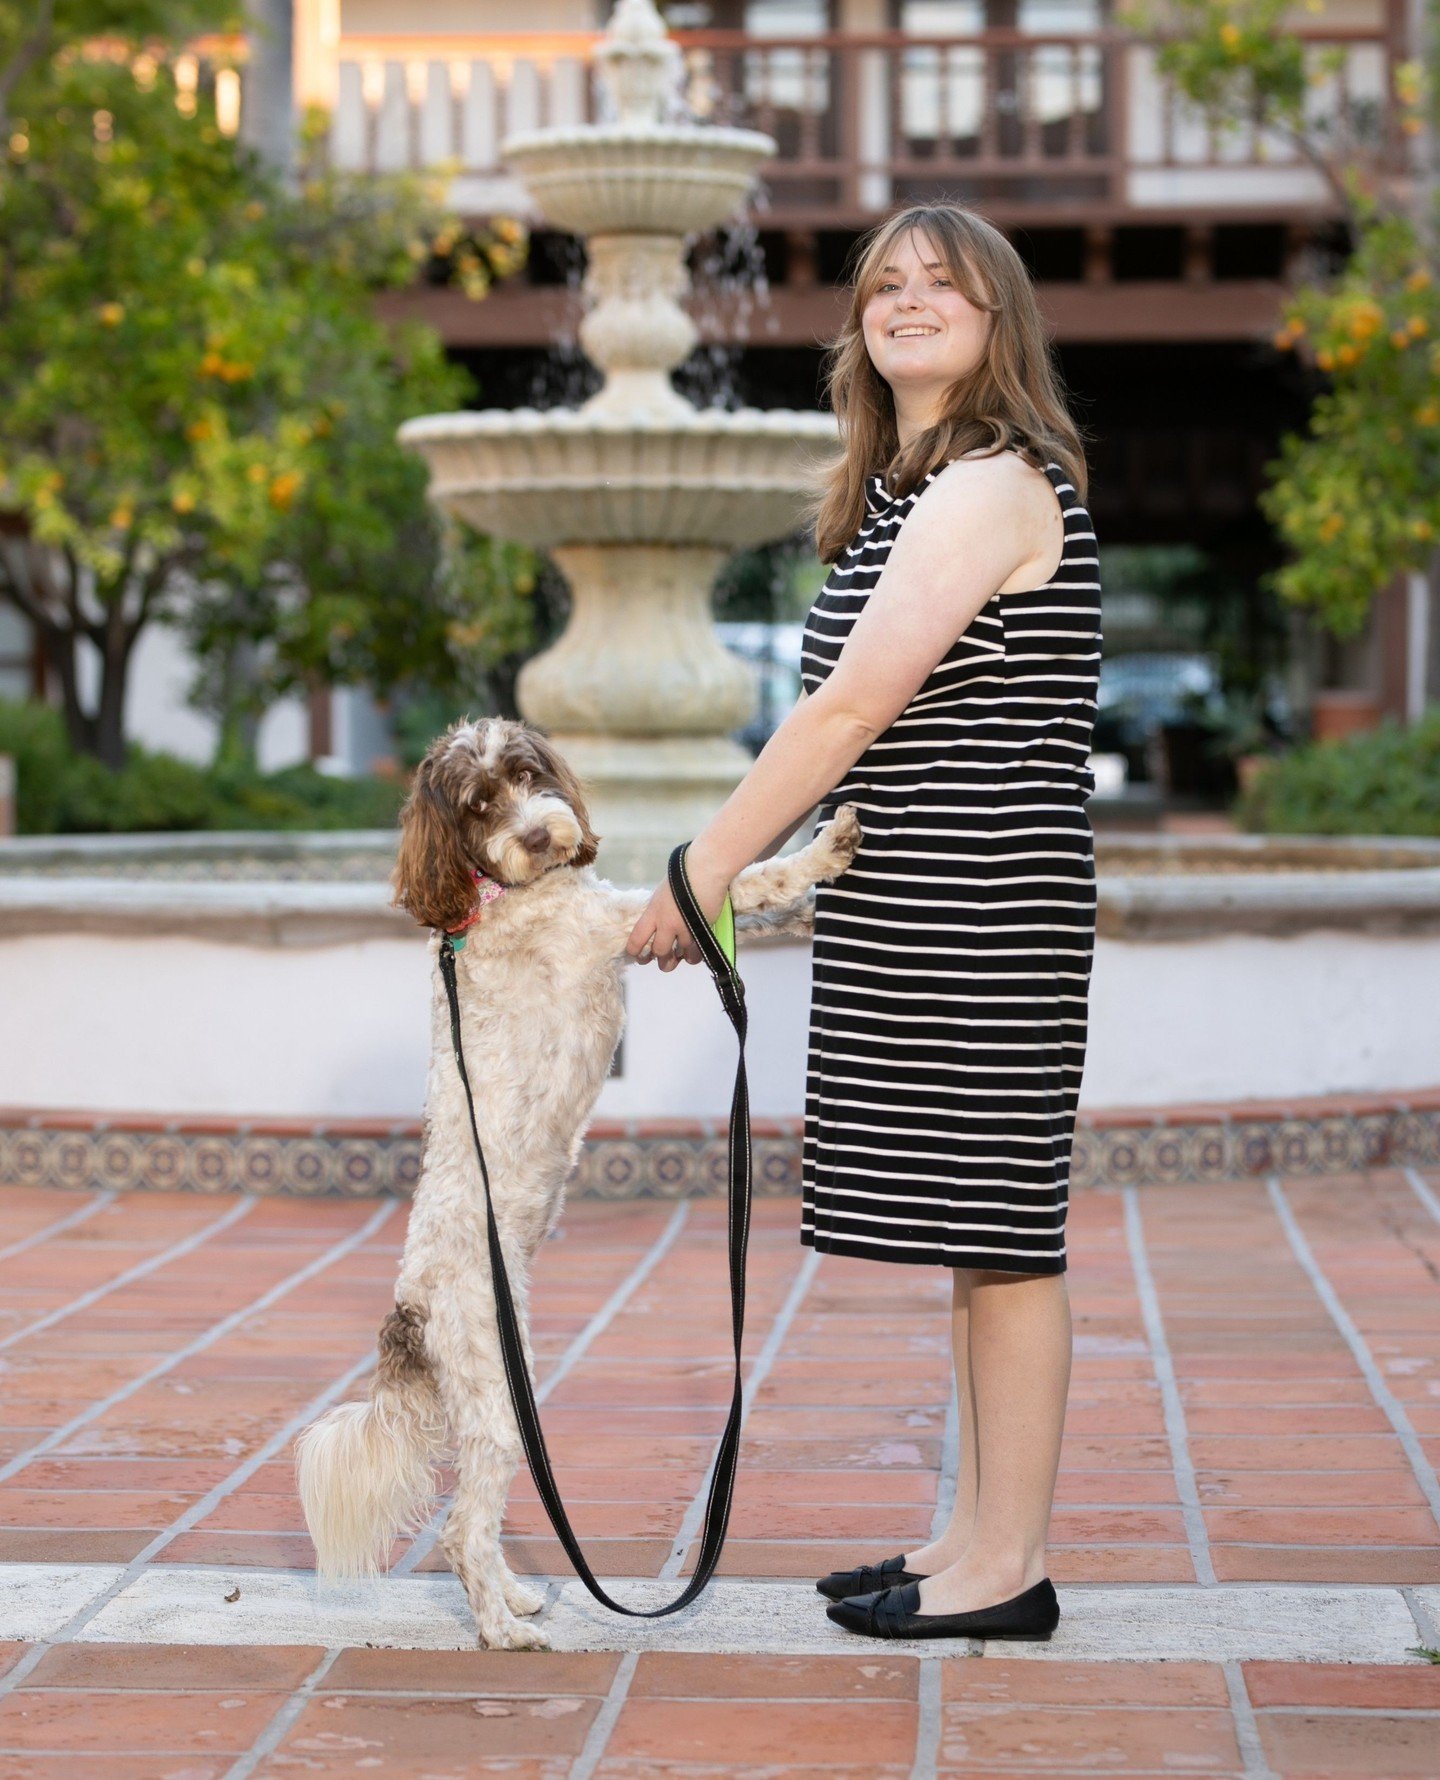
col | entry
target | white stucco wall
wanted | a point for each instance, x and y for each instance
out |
(194, 1026)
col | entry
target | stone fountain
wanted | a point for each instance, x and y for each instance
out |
(637, 495)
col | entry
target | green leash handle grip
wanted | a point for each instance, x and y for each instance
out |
(723, 927)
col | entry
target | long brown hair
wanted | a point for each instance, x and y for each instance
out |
(1012, 399)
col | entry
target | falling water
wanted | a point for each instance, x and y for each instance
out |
(563, 376)
(730, 299)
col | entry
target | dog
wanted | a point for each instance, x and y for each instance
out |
(539, 980)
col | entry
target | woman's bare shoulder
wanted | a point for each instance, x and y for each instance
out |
(1000, 484)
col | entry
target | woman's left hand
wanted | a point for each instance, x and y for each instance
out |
(660, 935)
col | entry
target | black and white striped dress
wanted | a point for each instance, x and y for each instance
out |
(951, 963)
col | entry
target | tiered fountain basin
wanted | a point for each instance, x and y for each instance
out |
(641, 177)
(726, 479)
(247, 1009)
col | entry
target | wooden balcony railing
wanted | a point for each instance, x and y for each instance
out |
(864, 121)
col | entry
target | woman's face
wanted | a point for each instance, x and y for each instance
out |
(921, 332)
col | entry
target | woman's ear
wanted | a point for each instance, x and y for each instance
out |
(432, 877)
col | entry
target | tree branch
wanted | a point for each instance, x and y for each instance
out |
(32, 49)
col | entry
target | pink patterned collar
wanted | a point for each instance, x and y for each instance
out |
(489, 888)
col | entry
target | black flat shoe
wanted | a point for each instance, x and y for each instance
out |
(895, 1613)
(867, 1579)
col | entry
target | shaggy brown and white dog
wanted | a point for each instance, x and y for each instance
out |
(541, 1014)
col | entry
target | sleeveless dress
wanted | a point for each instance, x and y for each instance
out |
(951, 962)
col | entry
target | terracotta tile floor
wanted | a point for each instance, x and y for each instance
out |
(1255, 1399)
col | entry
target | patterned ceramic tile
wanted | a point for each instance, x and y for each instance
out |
(673, 1164)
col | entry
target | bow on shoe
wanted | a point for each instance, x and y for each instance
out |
(866, 1579)
(882, 1615)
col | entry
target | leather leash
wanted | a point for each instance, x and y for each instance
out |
(718, 951)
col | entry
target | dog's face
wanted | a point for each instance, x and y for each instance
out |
(492, 796)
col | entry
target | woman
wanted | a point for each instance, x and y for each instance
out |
(952, 961)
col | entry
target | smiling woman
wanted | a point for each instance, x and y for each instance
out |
(951, 665)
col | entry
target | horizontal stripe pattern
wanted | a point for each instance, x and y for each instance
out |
(951, 963)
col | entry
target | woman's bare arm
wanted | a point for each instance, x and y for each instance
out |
(976, 526)
(780, 839)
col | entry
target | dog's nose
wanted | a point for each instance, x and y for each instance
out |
(537, 841)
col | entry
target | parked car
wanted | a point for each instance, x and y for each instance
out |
(1142, 695)
(773, 652)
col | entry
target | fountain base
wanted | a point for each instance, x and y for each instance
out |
(648, 793)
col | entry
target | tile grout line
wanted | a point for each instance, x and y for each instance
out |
(270, 1739)
(949, 1480)
(1426, 1617)
(36, 1237)
(141, 1270)
(946, 1487)
(424, 1541)
(1423, 1192)
(759, 1372)
(1385, 1398)
(930, 1719)
(596, 1738)
(1176, 1432)
(76, 1624)
(1247, 1728)
(215, 1333)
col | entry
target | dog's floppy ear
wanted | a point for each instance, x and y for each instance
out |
(432, 877)
(571, 790)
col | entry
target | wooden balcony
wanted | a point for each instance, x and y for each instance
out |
(1063, 128)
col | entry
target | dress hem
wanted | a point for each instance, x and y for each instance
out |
(925, 1257)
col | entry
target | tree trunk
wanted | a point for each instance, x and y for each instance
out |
(238, 723)
(109, 734)
(267, 113)
(58, 648)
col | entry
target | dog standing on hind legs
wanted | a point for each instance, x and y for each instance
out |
(496, 840)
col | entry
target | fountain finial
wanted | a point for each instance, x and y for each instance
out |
(638, 64)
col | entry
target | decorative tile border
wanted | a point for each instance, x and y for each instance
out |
(678, 1158)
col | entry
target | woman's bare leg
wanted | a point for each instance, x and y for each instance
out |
(940, 1553)
(1019, 1333)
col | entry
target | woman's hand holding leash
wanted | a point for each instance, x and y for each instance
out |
(660, 935)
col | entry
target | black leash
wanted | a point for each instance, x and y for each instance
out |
(522, 1394)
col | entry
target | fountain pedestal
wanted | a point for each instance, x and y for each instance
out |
(640, 696)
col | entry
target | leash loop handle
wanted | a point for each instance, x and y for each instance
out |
(517, 1375)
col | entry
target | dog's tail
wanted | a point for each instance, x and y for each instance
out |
(366, 1471)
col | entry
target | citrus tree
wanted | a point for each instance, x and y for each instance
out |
(1356, 498)
(197, 402)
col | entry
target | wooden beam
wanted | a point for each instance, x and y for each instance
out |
(1162, 310)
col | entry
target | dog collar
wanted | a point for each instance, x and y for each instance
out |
(489, 889)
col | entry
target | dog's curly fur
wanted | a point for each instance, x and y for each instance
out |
(541, 1015)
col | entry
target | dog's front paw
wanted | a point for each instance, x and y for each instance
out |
(522, 1597)
(839, 841)
(512, 1634)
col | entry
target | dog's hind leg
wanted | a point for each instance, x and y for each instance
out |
(486, 1467)
(487, 1455)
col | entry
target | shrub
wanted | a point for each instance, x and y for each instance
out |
(151, 794)
(33, 735)
(61, 792)
(300, 797)
(1385, 781)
